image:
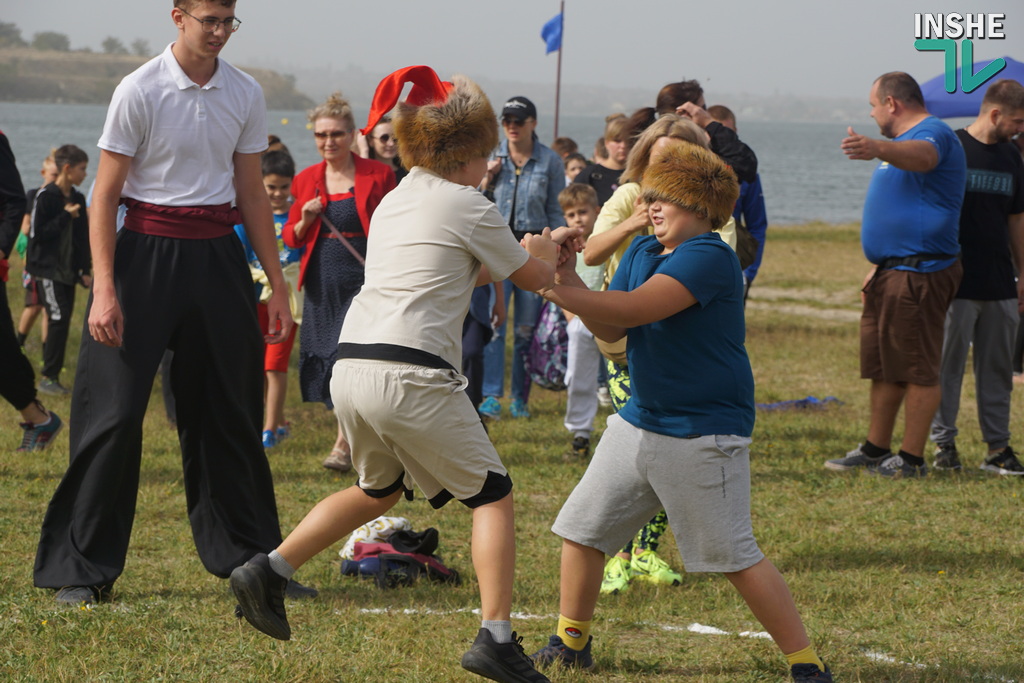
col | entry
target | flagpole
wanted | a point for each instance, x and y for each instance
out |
(558, 78)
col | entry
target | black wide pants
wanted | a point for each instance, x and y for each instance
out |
(194, 297)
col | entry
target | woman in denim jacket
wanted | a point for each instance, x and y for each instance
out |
(526, 177)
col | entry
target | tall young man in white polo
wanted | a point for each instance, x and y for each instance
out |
(181, 147)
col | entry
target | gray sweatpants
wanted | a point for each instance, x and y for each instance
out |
(991, 326)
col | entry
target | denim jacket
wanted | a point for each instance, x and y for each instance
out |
(540, 181)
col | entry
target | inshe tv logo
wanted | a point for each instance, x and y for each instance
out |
(929, 30)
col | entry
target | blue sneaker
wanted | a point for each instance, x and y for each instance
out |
(269, 438)
(283, 432)
(810, 673)
(557, 651)
(38, 437)
(518, 408)
(490, 408)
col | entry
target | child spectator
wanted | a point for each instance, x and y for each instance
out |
(278, 171)
(34, 301)
(58, 256)
(579, 204)
(574, 163)
(396, 390)
(682, 440)
(563, 147)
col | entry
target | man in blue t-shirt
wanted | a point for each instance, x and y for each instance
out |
(983, 315)
(909, 231)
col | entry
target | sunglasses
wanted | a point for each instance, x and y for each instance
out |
(386, 138)
(333, 134)
(510, 120)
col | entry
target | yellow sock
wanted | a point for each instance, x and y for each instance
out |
(574, 634)
(804, 656)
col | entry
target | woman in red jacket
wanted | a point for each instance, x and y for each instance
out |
(345, 189)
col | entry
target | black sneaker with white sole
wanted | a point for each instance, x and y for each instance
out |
(505, 662)
(1004, 462)
(947, 457)
(260, 593)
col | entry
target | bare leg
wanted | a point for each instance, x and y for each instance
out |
(494, 557)
(277, 387)
(340, 443)
(768, 597)
(581, 574)
(885, 404)
(918, 410)
(28, 318)
(333, 518)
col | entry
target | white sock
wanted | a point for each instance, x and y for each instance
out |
(501, 631)
(280, 565)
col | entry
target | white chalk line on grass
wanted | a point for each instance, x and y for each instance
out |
(692, 628)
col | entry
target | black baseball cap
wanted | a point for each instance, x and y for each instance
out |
(519, 108)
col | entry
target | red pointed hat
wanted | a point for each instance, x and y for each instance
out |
(427, 88)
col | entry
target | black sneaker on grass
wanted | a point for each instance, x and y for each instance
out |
(557, 651)
(504, 662)
(580, 450)
(947, 457)
(895, 467)
(82, 595)
(260, 593)
(810, 673)
(1004, 462)
(854, 459)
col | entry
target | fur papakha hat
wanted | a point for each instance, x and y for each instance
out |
(694, 179)
(445, 134)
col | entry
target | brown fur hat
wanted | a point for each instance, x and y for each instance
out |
(443, 137)
(694, 179)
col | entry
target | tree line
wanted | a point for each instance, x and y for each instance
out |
(10, 36)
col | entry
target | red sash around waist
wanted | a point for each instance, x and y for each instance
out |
(182, 222)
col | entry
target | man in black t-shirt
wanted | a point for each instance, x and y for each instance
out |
(985, 311)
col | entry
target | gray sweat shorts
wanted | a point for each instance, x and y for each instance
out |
(702, 483)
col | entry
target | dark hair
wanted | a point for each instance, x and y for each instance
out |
(563, 146)
(278, 163)
(675, 94)
(69, 155)
(188, 4)
(901, 87)
(574, 156)
(641, 120)
(1007, 94)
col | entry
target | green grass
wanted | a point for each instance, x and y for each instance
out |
(897, 581)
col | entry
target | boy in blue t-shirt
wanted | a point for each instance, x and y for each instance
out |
(681, 442)
(278, 171)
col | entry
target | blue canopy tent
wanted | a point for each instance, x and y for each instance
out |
(947, 105)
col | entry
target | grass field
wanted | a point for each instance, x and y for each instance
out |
(897, 580)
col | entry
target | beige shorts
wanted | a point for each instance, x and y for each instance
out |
(411, 424)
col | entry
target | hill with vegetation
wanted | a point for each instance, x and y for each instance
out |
(80, 77)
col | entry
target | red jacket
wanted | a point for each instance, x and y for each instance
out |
(373, 181)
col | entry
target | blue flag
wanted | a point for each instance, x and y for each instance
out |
(552, 34)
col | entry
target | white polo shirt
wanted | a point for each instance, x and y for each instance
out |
(181, 135)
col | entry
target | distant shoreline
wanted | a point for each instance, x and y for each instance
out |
(53, 77)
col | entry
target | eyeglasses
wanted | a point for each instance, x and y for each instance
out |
(386, 138)
(210, 24)
(332, 134)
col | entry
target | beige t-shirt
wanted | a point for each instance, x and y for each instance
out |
(426, 242)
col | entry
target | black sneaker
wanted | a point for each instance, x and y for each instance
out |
(504, 662)
(810, 673)
(1004, 462)
(82, 595)
(296, 591)
(854, 460)
(557, 651)
(260, 593)
(895, 467)
(580, 450)
(947, 457)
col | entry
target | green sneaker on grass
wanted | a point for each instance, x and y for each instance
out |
(616, 576)
(646, 565)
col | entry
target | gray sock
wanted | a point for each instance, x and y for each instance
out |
(501, 631)
(280, 565)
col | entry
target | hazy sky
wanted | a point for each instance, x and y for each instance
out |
(799, 47)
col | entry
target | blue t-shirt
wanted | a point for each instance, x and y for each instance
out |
(287, 254)
(908, 213)
(690, 373)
